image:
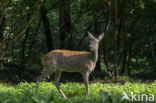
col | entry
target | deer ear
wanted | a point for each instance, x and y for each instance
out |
(100, 37)
(90, 35)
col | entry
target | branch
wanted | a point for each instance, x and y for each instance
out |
(4, 42)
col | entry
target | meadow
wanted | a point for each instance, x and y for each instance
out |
(45, 92)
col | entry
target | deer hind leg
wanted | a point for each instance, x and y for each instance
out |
(57, 75)
(86, 81)
(48, 70)
(43, 75)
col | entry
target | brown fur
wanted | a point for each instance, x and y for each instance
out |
(84, 62)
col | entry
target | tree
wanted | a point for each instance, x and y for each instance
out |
(65, 24)
(16, 36)
(47, 30)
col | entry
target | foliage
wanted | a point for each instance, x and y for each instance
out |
(132, 21)
(46, 92)
(27, 51)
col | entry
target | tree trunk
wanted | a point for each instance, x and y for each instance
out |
(49, 39)
(153, 51)
(129, 55)
(105, 42)
(79, 46)
(2, 27)
(125, 46)
(116, 49)
(24, 45)
(65, 24)
(124, 57)
(34, 38)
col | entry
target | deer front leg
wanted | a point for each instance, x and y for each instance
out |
(57, 75)
(86, 81)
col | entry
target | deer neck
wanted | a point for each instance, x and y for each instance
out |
(94, 55)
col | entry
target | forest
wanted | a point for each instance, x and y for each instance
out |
(126, 64)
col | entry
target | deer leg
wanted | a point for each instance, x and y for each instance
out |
(86, 80)
(43, 76)
(57, 75)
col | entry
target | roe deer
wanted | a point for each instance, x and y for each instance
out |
(84, 62)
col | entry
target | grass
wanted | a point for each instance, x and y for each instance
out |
(45, 92)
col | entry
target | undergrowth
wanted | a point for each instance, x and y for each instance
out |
(45, 92)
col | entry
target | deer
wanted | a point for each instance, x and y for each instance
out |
(57, 61)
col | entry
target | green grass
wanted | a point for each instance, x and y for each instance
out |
(45, 92)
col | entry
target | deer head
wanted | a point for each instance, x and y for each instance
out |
(94, 42)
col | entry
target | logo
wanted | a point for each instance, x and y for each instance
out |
(137, 97)
(125, 97)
